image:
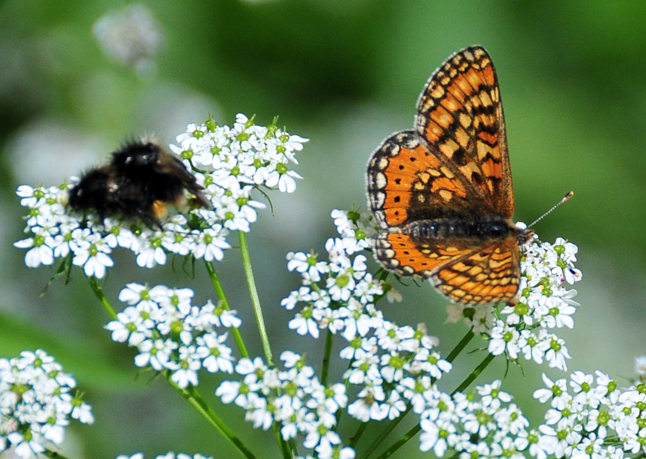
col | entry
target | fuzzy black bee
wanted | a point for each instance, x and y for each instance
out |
(140, 181)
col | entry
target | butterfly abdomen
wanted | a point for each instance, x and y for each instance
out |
(484, 229)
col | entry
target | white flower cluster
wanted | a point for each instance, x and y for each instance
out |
(393, 365)
(525, 329)
(173, 335)
(295, 398)
(36, 403)
(589, 418)
(169, 455)
(483, 423)
(230, 162)
(592, 418)
(357, 229)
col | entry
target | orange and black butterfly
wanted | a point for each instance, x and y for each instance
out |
(442, 192)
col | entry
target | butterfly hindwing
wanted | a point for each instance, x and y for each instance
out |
(487, 275)
(407, 256)
(462, 269)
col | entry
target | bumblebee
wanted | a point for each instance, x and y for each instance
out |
(140, 181)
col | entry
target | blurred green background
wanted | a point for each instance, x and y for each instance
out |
(345, 74)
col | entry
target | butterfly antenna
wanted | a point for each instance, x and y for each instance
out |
(565, 198)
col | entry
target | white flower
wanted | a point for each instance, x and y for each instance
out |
(436, 435)
(556, 312)
(189, 363)
(557, 353)
(369, 404)
(156, 353)
(41, 251)
(308, 264)
(504, 338)
(554, 389)
(93, 256)
(211, 243)
(215, 354)
(150, 252)
(282, 177)
(306, 322)
(532, 347)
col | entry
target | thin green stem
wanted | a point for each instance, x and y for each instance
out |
(255, 299)
(401, 442)
(357, 436)
(469, 379)
(329, 339)
(346, 382)
(53, 454)
(460, 346)
(283, 445)
(475, 373)
(381, 437)
(225, 304)
(98, 291)
(193, 397)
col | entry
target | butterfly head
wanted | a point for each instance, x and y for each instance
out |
(524, 234)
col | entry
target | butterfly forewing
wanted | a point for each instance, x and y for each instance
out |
(460, 117)
(407, 182)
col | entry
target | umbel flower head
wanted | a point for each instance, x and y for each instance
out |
(231, 163)
(545, 304)
(173, 335)
(36, 403)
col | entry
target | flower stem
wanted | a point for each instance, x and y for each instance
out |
(193, 397)
(357, 436)
(329, 338)
(255, 299)
(401, 442)
(460, 346)
(225, 304)
(283, 445)
(98, 291)
(381, 437)
(53, 454)
(475, 373)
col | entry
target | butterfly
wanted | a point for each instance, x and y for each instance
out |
(442, 192)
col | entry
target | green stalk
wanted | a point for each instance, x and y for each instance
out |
(53, 454)
(460, 346)
(357, 436)
(380, 438)
(475, 373)
(190, 394)
(193, 397)
(412, 432)
(284, 447)
(255, 299)
(98, 291)
(469, 379)
(329, 338)
(401, 442)
(225, 304)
